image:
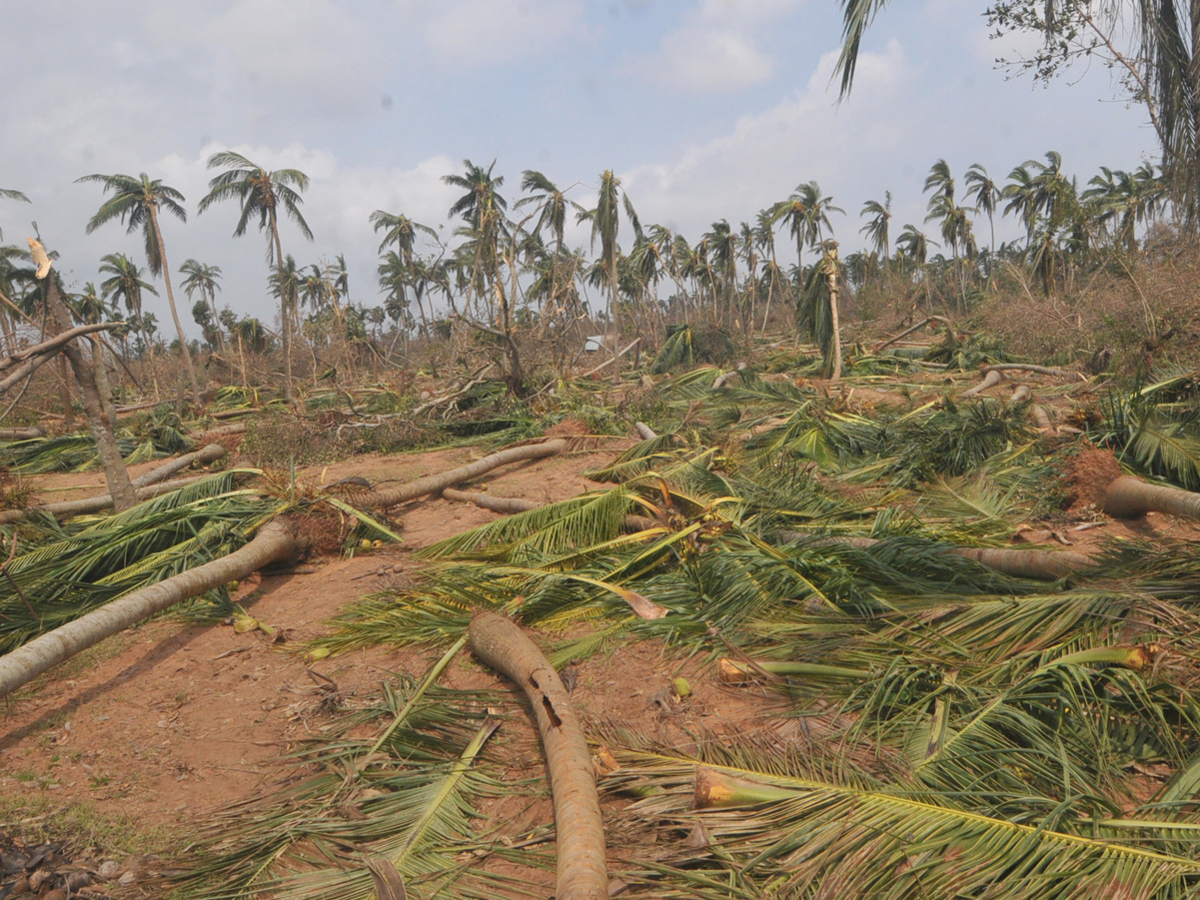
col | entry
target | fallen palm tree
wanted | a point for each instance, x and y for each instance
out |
(274, 542)
(516, 505)
(1131, 498)
(66, 509)
(1041, 565)
(579, 828)
(432, 484)
(142, 487)
(21, 434)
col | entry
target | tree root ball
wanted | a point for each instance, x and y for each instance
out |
(1090, 474)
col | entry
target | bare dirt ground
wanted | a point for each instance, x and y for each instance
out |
(170, 721)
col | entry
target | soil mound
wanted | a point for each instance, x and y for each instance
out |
(1092, 471)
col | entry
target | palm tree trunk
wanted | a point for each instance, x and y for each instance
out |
(579, 827)
(274, 542)
(836, 363)
(101, 425)
(1129, 498)
(431, 484)
(285, 315)
(65, 382)
(166, 272)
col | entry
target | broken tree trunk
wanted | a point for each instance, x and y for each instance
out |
(65, 509)
(645, 432)
(85, 376)
(33, 358)
(1041, 565)
(908, 331)
(1025, 367)
(273, 543)
(1129, 498)
(990, 379)
(206, 454)
(510, 506)
(579, 828)
(21, 434)
(432, 484)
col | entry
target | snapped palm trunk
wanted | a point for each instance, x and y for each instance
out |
(432, 484)
(85, 376)
(273, 543)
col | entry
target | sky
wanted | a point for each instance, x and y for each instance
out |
(705, 109)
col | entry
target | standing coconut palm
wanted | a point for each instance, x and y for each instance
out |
(806, 213)
(876, 229)
(482, 208)
(125, 283)
(262, 193)
(722, 246)
(400, 230)
(136, 202)
(986, 193)
(205, 279)
(606, 225)
(552, 206)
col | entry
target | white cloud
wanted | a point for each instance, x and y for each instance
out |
(468, 33)
(715, 48)
(317, 51)
(804, 137)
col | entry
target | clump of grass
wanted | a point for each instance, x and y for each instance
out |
(15, 490)
(107, 830)
(278, 440)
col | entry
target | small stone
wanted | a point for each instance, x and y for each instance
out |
(56, 894)
(127, 878)
(109, 869)
(77, 880)
(38, 878)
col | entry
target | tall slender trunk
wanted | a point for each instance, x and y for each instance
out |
(68, 409)
(831, 273)
(166, 273)
(102, 384)
(102, 426)
(285, 314)
(1193, 90)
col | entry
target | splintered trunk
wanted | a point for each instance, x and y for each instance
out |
(579, 828)
(273, 543)
(101, 425)
(831, 275)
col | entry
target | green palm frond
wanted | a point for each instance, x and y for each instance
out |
(94, 559)
(802, 834)
(555, 528)
(639, 458)
(410, 803)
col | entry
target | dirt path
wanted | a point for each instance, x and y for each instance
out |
(170, 720)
